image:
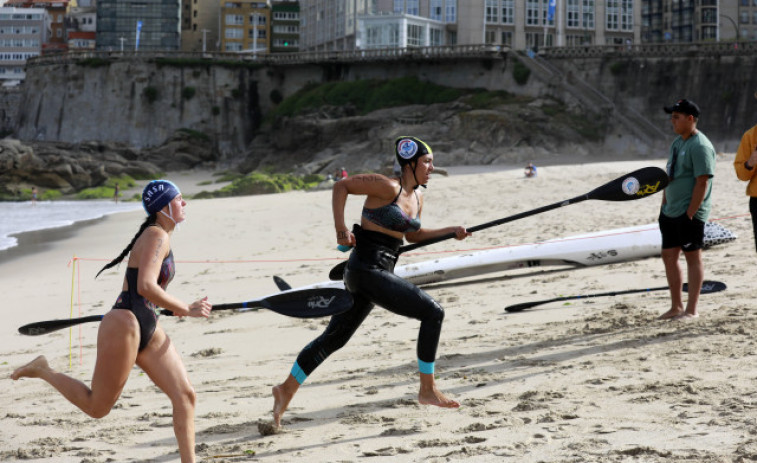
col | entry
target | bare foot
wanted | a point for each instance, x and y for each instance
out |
(672, 313)
(281, 399)
(32, 369)
(687, 316)
(435, 397)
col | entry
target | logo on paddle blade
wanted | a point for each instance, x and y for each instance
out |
(320, 302)
(630, 186)
(649, 190)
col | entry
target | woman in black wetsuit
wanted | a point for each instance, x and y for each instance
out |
(391, 212)
(130, 334)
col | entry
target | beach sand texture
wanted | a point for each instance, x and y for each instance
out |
(597, 380)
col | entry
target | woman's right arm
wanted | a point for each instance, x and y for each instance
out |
(371, 185)
(151, 252)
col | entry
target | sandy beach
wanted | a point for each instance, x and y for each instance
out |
(596, 380)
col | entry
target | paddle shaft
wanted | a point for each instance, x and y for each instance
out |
(707, 287)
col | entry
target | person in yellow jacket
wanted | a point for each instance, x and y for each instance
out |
(745, 164)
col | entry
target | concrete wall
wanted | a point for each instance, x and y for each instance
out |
(63, 100)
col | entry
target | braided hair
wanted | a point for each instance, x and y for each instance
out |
(150, 220)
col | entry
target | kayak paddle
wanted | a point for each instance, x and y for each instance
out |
(707, 288)
(635, 185)
(306, 303)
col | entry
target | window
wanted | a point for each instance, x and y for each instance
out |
(233, 46)
(507, 38)
(532, 13)
(234, 33)
(492, 13)
(414, 35)
(450, 12)
(436, 10)
(234, 20)
(508, 12)
(612, 15)
(412, 7)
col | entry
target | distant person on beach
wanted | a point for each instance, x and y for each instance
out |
(343, 173)
(686, 205)
(744, 164)
(130, 334)
(115, 193)
(391, 212)
(530, 170)
(34, 196)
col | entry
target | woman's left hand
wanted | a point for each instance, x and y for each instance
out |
(200, 308)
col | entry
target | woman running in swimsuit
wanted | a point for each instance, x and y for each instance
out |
(391, 212)
(129, 334)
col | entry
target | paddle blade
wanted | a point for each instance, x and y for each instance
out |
(308, 303)
(337, 272)
(48, 326)
(709, 287)
(635, 185)
(281, 283)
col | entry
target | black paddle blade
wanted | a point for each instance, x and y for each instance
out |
(308, 303)
(39, 328)
(281, 283)
(635, 185)
(337, 272)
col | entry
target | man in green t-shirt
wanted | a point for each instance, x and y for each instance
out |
(686, 204)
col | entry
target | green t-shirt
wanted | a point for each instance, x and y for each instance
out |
(696, 156)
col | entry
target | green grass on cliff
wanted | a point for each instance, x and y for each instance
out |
(258, 183)
(367, 95)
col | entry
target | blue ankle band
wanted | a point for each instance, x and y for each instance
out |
(426, 367)
(298, 374)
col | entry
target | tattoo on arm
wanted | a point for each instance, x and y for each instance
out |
(341, 234)
(157, 250)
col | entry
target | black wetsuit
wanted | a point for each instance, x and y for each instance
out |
(144, 310)
(370, 277)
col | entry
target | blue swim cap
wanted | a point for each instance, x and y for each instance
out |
(157, 194)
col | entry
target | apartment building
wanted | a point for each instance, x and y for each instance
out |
(680, 20)
(200, 25)
(245, 27)
(55, 24)
(520, 24)
(285, 26)
(22, 33)
(141, 25)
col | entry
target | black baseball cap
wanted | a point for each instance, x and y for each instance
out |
(683, 106)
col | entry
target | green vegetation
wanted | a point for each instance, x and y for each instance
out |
(618, 67)
(196, 134)
(201, 62)
(367, 95)
(256, 183)
(100, 192)
(485, 99)
(521, 73)
(150, 93)
(123, 181)
(215, 110)
(93, 62)
(188, 93)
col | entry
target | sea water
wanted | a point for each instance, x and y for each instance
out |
(19, 217)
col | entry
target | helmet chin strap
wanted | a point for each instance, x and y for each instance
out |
(417, 183)
(170, 216)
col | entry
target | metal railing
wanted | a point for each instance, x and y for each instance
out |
(451, 52)
(651, 50)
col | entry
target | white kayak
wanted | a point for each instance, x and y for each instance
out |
(605, 247)
(600, 248)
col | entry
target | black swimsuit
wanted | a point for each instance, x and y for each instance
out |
(145, 311)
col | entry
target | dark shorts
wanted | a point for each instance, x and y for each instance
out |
(681, 232)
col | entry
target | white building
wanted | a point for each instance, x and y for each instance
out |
(22, 33)
(519, 24)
